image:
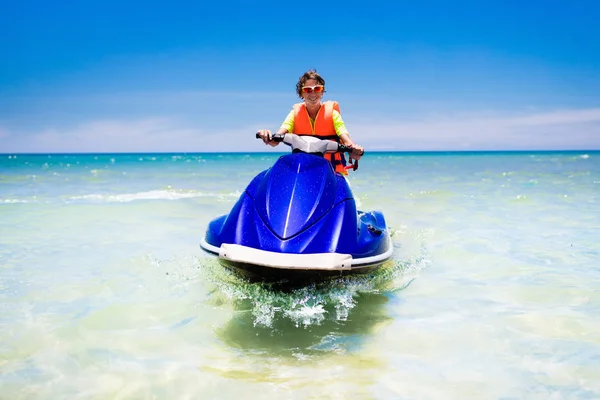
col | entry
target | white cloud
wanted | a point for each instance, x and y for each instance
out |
(565, 129)
(570, 129)
(144, 135)
(558, 118)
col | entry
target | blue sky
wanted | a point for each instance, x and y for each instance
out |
(83, 76)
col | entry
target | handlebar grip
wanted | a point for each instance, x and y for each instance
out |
(276, 137)
(347, 149)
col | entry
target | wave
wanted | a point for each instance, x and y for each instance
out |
(14, 201)
(152, 195)
(126, 197)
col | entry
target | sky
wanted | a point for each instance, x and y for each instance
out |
(198, 76)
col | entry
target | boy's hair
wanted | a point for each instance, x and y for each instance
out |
(310, 74)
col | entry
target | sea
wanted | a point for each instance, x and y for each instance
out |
(492, 291)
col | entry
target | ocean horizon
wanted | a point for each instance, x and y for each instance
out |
(282, 152)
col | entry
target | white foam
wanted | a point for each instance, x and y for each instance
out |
(307, 314)
(13, 201)
(151, 195)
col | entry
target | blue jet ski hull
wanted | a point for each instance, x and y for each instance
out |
(298, 220)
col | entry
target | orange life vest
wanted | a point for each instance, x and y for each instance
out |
(324, 128)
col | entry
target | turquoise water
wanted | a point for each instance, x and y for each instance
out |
(492, 291)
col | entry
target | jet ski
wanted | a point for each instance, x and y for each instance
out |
(298, 220)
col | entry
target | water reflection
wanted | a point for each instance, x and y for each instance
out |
(336, 330)
(332, 316)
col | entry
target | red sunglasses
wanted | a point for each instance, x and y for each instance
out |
(310, 89)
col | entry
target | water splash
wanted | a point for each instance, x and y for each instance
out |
(331, 299)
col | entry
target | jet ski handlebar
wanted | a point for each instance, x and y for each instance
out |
(310, 144)
(276, 137)
(313, 145)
